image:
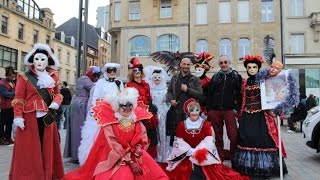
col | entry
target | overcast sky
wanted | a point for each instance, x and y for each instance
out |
(65, 9)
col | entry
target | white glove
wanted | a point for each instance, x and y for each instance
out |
(190, 152)
(54, 105)
(19, 122)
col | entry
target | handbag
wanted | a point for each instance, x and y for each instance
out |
(50, 117)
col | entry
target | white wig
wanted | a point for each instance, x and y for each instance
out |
(149, 74)
(127, 95)
(45, 49)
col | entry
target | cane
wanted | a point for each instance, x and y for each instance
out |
(280, 148)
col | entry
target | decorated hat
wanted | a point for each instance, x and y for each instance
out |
(111, 66)
(93, 71)
(189, 103)
(44, 49)
(202, 60)
(128, 95)
(135, 63)
(253, 59)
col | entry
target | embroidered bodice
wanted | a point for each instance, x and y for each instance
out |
(253, 98)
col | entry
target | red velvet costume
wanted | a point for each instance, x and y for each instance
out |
(205, 81)
(214, 171)
(114, 147)
(44, 162)
(150, 123)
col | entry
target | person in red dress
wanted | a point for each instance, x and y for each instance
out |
(36, 153)
(119, 151)
(136, 81)
(194, 153)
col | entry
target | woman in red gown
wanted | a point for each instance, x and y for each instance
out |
(194, 152)
(119, 150)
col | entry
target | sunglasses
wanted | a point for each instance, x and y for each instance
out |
(111, 70)
(223, 62)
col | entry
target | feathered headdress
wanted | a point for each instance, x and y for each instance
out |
(171, 60)
(127, 95)
(253, 59)
(202, 60)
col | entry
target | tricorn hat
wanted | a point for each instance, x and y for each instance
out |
(44, 49)
(202, 60)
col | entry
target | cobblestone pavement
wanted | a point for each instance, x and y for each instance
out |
(303, 162)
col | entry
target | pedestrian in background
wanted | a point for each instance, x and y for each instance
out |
(65, 105)
(224, 99)
(311, 102)
(7, 88)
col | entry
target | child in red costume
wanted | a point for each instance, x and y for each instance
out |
(36, 153)
(194, 150)
(119, 150)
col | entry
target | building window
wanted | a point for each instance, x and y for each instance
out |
(243, 11)
(139, 46)
(8, 57)
(59, 54)
(4, 25)
(5, 3)
(20, 31)
(202, 46)
(297, 43)
(168, 42)
(134, 10)
(35, 36)
(165, 9)
(117, 11)
(68, 76)
(23, 67)
(48, 39)
(30, 8)
(224, 12)
(296, 7)
(68, 57)
(267, 11)
(225, 47)
(201, 13)
(243, 48)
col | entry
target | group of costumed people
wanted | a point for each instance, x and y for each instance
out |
(120, 131)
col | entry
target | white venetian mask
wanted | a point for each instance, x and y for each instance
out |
(40, 61)
(199, 72)
(156, 78)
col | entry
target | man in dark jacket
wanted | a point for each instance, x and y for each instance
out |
(223, 101)
(65, 105)
(182, 87)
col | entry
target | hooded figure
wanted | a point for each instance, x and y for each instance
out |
(78, 111)
(36, 153)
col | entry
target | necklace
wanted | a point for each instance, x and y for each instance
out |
(126, 124)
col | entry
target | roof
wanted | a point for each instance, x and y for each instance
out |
(69, 29)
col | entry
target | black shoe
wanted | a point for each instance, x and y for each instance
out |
(3, 141)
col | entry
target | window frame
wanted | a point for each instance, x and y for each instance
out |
(173, 40)
(225, 45)
(225, 20)
(201, 44)
(20, 31)
(203, 15)
(134, 40)
(35, 36)
(117, 11)
(134, 15)
(296, 49)
(295, 12)
(11, 53)
(265, 5)
(4, 24)
(165, 9)
(243, 49)
(243, 18)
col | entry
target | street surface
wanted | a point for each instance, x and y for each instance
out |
(303, 162)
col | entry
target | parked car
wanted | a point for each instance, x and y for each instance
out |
(311, 128)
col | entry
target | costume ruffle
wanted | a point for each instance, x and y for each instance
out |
(257, 162)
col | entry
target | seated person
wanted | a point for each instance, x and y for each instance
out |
(299, 113)
(119, 152)
(194, 153)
